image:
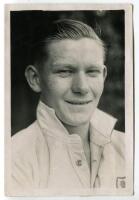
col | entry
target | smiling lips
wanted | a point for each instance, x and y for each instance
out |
(79, 102)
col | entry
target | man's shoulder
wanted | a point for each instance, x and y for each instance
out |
(26, 138)
(26, 132)
(118, 141)
(118, 135)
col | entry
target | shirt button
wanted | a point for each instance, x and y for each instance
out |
(79, 162)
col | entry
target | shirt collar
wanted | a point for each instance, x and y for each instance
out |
(48, 121)
(101, 124)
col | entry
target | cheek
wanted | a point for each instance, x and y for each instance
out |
(97, 86)
(55, 88)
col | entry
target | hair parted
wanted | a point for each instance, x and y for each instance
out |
(71, 29)
(60, 30)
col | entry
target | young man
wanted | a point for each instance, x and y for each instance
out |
(72, 144)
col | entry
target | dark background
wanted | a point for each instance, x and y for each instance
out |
(24, 25)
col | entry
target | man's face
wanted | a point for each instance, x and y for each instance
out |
(72, 79)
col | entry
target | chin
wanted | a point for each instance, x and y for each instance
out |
(75, 118)
(76, 121)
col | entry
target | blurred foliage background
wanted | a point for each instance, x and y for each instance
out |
(110, 28)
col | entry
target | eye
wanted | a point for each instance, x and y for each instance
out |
(64, 72)
(93, 72)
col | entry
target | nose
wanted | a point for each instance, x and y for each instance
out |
(80, 84)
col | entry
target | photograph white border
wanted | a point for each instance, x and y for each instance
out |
(128, 62)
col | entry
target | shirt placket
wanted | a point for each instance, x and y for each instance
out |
(97, 144)
(96, 156)
(79, 161)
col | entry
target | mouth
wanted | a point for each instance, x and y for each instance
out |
(79, 102)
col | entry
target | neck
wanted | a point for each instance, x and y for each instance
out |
(82, 131)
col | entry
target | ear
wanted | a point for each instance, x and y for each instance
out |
(33, 79)
(104, 72)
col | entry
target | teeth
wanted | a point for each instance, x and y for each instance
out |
(78, 103)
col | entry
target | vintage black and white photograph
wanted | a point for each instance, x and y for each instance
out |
(69, 86)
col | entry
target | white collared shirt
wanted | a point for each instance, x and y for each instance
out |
(45, 155)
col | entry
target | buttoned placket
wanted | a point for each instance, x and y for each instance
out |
(78, 159)
(87, 177)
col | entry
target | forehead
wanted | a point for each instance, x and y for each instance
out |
(84, 50)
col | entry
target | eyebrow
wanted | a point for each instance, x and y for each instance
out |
(73, 66)
(95, 66)
(66, 65)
